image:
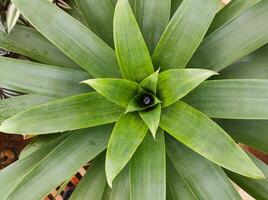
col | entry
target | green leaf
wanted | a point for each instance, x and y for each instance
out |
(177, 188)
(99, 17)
(174, 6)
(233, 9)
(70, 36)
(152, 17)
(12, 17)
(175, 84)
(93, 183)
(184, 33)
(231, 99)
(127, 135)
(77, 112)
(132, 54)
(14, 105)
(45, 80)
(82, 146)
(148, 169)
(252, 66)
(28, 42)
(150, 83)
(256, 188)
(206, 138)
(151, 118)
(230, 43)
(250, 132)
(118, 91)
(196, 170)
(13, 174)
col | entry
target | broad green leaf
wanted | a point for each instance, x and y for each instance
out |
(28, 42)
(13, 174)
(229, 12)
(174, 6)
(132, 54)
(93, 183)
(119, 91)
(176, 83)
(152, 17)
(12, 17)
(250, 132)
(121, 187)
(231, 99)
(184, 33)
(230, 43)
(77, 112)
(127, 135)
(256, 188)
(205, 179)
(150, 83)
(177, 188)
(82, 146)
(151, 118)
(252, 66)
(148, 169)
(206, 138)
(45, 80)
(14, 105)
(70, 36)
(99, 17)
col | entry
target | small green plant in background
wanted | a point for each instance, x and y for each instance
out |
(155, 94)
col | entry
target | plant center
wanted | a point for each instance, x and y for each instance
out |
(146, 100)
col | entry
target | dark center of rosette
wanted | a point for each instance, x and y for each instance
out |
(146, 99)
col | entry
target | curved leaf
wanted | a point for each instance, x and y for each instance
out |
(70, 36)
(118, 91)
(12, 17)
(206, 138)
(184, 33)
(127, 135)
(150, 83)
(230, 43)
(148, 169)
(71, 113)
(205, 179)
(175, 84)
(132, 54)
(45, 80)
(231, 99)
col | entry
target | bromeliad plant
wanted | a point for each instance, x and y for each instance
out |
(163, 125)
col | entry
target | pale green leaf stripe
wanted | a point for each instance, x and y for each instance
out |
(205, 179)
(231, 99)
(252, 66)
(152, 17)
(177, 188)
(14, 105)
(13, 174)
(174, 6)
(93, 183)
(229, 12)
(131, 51)
(99, 17)
(45, 80)
(251, 132)
(206, 138)
(77, 112)
(121, 187)
(230, 43)
(12, 16)
(148, 169)
(28, 42)
(184, 33)
(70, 36)
(82, 146)
(256, 188)
(176, 83)
(119, 91)
(127, 135)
